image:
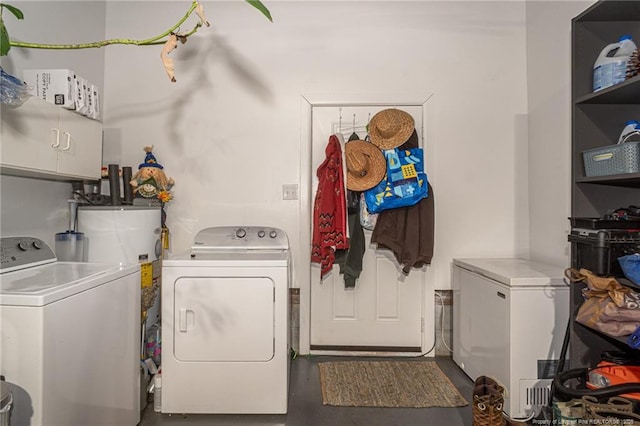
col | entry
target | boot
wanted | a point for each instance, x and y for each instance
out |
(488, 399)
(491, 383)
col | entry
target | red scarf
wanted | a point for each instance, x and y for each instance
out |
(329, 210)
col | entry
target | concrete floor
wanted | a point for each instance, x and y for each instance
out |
(306, 409)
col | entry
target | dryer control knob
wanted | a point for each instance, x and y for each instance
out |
(261, 233)
(241, 233)
(273, 234)
(23, 246)
(37, 244)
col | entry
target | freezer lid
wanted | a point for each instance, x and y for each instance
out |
(41, 285)
(515, 272)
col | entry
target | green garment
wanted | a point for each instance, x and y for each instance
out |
(350, 260)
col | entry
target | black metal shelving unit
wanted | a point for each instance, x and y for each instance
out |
(597, 119)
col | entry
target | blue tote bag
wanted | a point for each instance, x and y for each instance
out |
(405, 183)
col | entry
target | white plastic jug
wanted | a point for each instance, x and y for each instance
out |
(611, 66)
(631, 132)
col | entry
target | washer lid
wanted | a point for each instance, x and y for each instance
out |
(515, 272)
(41, 285)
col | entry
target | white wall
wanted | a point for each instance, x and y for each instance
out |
(32, 206)
(57, 22)
(549, 106)
(229, 130)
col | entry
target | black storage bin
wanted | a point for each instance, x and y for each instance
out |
(599, 250)
(598, 223)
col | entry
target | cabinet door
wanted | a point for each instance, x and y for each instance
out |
(29, 135)
(80, 150)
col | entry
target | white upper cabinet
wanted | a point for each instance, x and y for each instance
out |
(40, 139)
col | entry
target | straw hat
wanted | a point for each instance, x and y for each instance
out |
(390, 128)
(366, 165)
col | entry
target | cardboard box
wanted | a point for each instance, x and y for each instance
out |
(95, 111)
(80, 97)
(56, 86)
(89, 95)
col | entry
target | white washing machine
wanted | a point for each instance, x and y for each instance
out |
(225, 328)
(69, 337)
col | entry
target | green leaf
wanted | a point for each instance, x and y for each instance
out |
(261, 7)
(4, 40)
(16, 12)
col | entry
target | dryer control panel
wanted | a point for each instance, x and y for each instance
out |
(242, 238)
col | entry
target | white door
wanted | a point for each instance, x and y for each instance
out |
(383, 313)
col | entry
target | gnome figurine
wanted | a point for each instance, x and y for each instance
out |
(150, 180)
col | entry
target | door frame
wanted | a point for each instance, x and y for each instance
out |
(307, 103)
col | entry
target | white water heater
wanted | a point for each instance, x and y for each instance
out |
(125, 235)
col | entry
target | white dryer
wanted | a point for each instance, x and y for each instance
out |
(225, 328)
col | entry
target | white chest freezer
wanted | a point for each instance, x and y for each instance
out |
(509, 322)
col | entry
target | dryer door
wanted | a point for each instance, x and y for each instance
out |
(222, 319)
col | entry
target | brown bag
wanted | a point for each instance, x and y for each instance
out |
(615, 411)
(609, 306)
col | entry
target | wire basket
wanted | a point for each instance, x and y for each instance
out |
(612, 159)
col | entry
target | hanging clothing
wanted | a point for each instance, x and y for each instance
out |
(329, 209)
(408, 231)
(350, 260)
(344, 182)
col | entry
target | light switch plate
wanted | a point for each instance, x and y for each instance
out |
(290, 191)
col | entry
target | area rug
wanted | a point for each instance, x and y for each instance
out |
(414, 384)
